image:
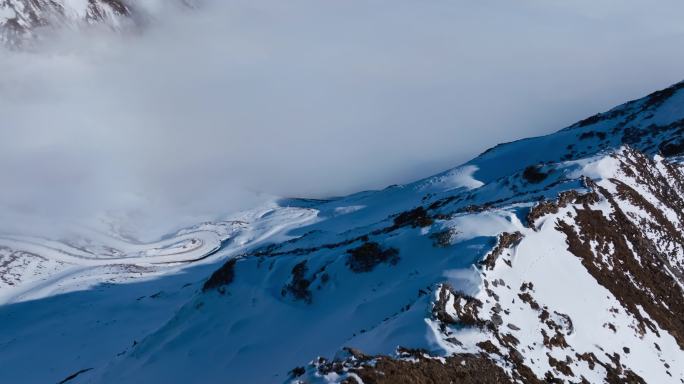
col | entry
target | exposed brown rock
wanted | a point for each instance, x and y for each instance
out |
(489, 347)
(456, 369)
(561, 366)
(651, 273)
(565, 198)
(413, 366)
(506, 240)
(467, 308)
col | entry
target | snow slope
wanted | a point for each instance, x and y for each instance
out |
(84, 301)
(557, 258)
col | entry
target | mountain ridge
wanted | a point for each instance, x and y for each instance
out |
(551, 259)
(550, 198)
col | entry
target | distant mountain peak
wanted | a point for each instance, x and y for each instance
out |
(20, 18)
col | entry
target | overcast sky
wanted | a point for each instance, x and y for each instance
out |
(186, 118)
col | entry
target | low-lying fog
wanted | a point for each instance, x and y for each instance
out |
(206, 111)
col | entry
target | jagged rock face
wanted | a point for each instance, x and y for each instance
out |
(19, 18)
(623, 247)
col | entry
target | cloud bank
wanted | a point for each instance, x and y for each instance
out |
(187, 118)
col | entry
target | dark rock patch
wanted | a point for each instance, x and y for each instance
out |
(672, 148)
(299, 284)
(416, 218)
(366, 257)
(74, 375)
(533, 174)
(221, 277)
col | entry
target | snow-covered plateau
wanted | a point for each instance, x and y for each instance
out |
(552, 259)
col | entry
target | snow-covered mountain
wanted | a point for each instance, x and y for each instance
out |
(551, 259)
(20, 18)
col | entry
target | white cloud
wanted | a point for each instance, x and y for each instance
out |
(307, 97)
